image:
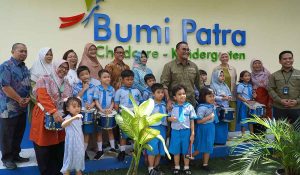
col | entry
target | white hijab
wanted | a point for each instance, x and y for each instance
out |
(41, 67)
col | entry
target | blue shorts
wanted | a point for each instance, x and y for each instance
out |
(156, 144)
(88, 128)
(180, 142)
(123, 135)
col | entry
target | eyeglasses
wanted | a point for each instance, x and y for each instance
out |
(64, 68)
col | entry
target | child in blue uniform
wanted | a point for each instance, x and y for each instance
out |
(222, 96)
(245, 94)
(182, 124)
(159, 107)
(85, 91)
(104, 99)
(122, 98)
(205, 127)
(149, 80)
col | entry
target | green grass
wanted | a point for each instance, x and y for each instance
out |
(220, 166)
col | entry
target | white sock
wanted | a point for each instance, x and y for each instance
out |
(122, 148)
(99, 146)
(177, 167)
(112, 143)
(205, 164)
(186, 167)
(150, 168)
(85, 146)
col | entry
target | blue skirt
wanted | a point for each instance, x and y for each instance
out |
(221, 133)
(205, 137)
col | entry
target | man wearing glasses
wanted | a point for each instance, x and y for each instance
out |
(116, 67)
(181, 71)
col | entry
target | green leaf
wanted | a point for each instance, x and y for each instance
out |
(147, 134)
(146, 107)
(126, 111)
(135, 106)
(126, 126)
(154, 118)
(165, 147)
(148, 147)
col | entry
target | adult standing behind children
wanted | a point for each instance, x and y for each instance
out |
(116, 67)
(181, 71)
(89, 59)
(230, 79)
(140, 69)
(72, 59)
(284, 88)
(14, 98)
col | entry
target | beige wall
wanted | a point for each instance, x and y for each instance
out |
(271, 26)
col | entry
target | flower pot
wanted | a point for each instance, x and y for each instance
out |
(280, 172)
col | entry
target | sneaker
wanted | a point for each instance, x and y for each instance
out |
(98, 155)
(176, 171)
(187, 171)
(10, 165)
(206, 168)
(20, 159)
(121, 156)
(86, 156)
(155, 172)
(112, 150)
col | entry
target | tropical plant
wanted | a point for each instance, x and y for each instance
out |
(136, 126)
(284, 149)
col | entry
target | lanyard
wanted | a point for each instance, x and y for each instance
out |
(287, 81)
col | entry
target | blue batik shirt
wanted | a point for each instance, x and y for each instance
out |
(15, 74)
(184, 114)
(88, 95)
(160, 108)
(205, 110)
(105, 97)
(122, 96)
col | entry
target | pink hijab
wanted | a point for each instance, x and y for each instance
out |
(91, 62)
(259, 78)
(51, 84)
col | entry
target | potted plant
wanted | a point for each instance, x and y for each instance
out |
(284, 149)
(136, 126)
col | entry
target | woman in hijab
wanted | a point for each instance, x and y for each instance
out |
(230, 80)
(260, 77)
(89, 59)
(50, 92)
(140, 70)
(72, 59)
(42, 66)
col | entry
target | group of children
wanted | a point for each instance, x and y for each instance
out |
(192, 131)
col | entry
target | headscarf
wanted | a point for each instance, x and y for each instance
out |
(91, 62)
(260, 78)
(52, 84)
(41, 67)
(219, 87)
(137, 61)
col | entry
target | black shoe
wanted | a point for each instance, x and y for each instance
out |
(121, 156)
(112, 150)
(176, 171)
(206, 168)
(20, 159)
(155, 172)
(86, 156)
(10, 165)
(187, 171)
(98, 155)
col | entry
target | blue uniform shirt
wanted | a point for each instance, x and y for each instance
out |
(160, 108)
(104, 96)
(15, 74)
(245, 90)
(147, 93)
(184, 113)
(122, 96)
(88, 95)
(205, 110)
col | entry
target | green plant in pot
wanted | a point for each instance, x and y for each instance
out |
(137, 126)
(284, 149)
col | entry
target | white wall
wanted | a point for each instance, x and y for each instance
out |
(271, 26)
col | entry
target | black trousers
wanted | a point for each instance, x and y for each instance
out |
(49, 158)
(291, 114)
(11, 134)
